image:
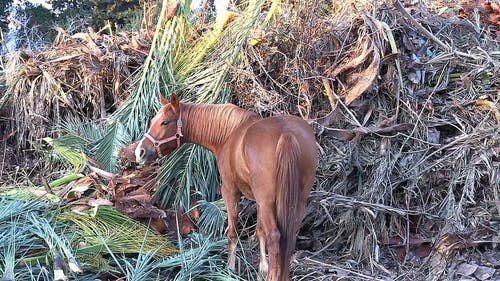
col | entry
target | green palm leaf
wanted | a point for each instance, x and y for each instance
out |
(137, 269)
(8, 256)
(200, 261)
(206, 83)
(105, 150)
(107, 228)
(189, 167)
(213, 217)
(157, 73)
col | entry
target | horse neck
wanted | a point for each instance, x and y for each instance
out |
(210, 125)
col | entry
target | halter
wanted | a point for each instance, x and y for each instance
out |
(178, 135)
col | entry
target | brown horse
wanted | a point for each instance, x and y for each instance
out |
(270, 160)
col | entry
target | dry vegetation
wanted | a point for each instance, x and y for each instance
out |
(405, 104)
(85, 75)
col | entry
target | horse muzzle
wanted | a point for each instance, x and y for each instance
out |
(144, 154)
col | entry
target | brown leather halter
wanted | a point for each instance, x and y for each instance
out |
(178, 135)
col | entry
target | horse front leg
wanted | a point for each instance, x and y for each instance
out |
(231, 198)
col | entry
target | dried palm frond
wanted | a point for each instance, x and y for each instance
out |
(404, 102)
(84, 74)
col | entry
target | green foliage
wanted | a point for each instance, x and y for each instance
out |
(157, 75)
(46, 230)
(72, 9)
(106, 148)
(71, 155)
(213, 217)
(40, 18)
(4, 6)
(8, 256)
(141, 268)
(100, 240)
(117, 12)
(201, 261)
(32, 233)
(191, 168)
(100, 142)
(96, 13)
(104, 229)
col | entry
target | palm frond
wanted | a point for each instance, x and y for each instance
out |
(171, 173)
(12, 208)
(73, 156)
(273, 11)
(189, 167)
(222, 276)
(79, 132)
(157, 72)
(213, 217)
(105, 228)
(8, 256)
(99, 142)
(78, 139)
(57, 243)
(141, 268)
(192, 56)
(206, 83)
(105, 150)
(35, 272)
(200, 261)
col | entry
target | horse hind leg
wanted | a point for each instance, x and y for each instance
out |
(231, 197)
(263, 264)
(272, 240)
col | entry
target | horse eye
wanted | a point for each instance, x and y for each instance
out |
(165, 123)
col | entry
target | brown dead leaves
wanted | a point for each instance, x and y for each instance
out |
(358, 72)
(133, 188)
(131, 193)
(488, 12)
(447, 253)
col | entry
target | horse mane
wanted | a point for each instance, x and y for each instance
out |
(216, 121)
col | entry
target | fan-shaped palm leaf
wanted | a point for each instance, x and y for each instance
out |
(8, 256)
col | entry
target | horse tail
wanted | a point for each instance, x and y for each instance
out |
(288, 189)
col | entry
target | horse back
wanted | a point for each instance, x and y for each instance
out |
(263, 136)
(250, 155)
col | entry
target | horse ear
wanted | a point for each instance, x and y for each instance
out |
(163, 101)
(174, 101)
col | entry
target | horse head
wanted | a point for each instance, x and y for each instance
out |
(164, 134)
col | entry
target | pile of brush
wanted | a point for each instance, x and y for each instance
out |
(404, 100)
(83, 75)
(405, 103)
